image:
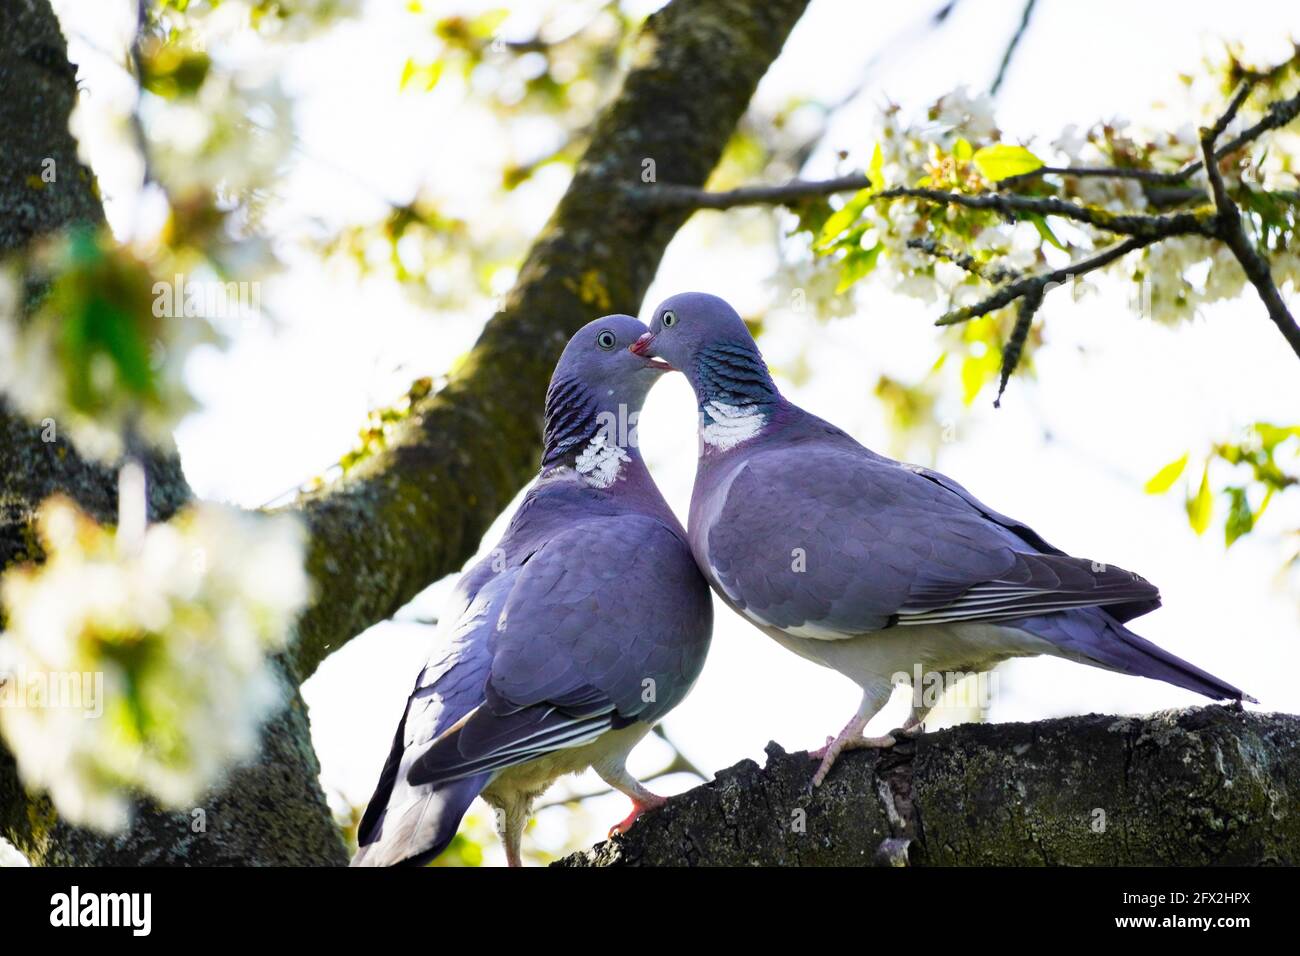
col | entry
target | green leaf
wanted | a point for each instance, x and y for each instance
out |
(876, 172)
(1201, 507)
(1002, 161)
(1240, 518)
(1270, 436)
(976, 370)
(858, 264)
(1044, 230)
(843, 218)
(961, 150)
(1163, 479)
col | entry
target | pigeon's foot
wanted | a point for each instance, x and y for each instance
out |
(912, 728)
(849, 739)
(640, 804)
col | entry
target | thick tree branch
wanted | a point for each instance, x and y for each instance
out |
(416, 511)
(271, 811)
(1204, 786)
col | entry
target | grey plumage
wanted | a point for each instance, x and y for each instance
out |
(869, 566)
(586, 624)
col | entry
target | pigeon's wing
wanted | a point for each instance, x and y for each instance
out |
(450, 686)
(829, 542)
(606, 625)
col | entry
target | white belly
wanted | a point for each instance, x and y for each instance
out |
(882, 659)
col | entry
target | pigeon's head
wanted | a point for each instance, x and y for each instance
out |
(599, 361)
(690, 324)
(703, 336)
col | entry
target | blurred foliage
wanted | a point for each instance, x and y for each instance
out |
(1264, 461)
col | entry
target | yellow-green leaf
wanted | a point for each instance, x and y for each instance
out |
(1002, 160)
(876, 173)
(961, 150)
(843, 218)
(1201, 507)
(857, 265)
(1045, 231)
(1164, 479)
(1240, 518)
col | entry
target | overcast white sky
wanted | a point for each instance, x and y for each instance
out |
(1120, 396)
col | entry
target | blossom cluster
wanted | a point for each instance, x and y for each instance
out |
(96, 358)
(174, 629)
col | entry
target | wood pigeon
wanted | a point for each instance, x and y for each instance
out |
(563, 646)
(877, 569)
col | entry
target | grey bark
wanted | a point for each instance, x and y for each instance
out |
(1204, 786)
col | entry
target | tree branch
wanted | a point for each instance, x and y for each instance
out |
(1227, 227)
(414, 512)
(673, 196)
(1012, 47)
(677, 196)
(1278, 114)
(1039, 284)
(1204, 786)
(270, 811)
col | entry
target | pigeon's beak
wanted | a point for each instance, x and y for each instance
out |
(641, 347)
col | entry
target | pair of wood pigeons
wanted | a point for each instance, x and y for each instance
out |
(592, 618)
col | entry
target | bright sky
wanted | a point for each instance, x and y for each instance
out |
(1121, 396)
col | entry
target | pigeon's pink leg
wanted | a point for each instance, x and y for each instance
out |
(650, 801)
(850, 738)
(642, 799)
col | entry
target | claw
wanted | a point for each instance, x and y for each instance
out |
(649, 802)
(843, 742)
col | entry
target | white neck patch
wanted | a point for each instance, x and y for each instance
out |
(731, 425)
(599, 463)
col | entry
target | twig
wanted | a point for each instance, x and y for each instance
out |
(1227, 227)
(673, 196)
(1155, 227)
(1015, 346)
(1278, 114)
(1039, 284)
(1011, 47)
(963, 260)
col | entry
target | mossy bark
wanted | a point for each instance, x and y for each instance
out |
(271, 811)
(415, 512)
(1204, 786)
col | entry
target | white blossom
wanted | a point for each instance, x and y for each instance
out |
(174, 632)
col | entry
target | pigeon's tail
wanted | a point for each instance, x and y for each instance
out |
(1092, 636)
(416, 824)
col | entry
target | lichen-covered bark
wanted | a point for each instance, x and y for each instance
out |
(1203, 786)
(415, 512)
(270, 812)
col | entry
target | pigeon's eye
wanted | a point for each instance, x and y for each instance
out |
(669, 319)
(606, 340)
